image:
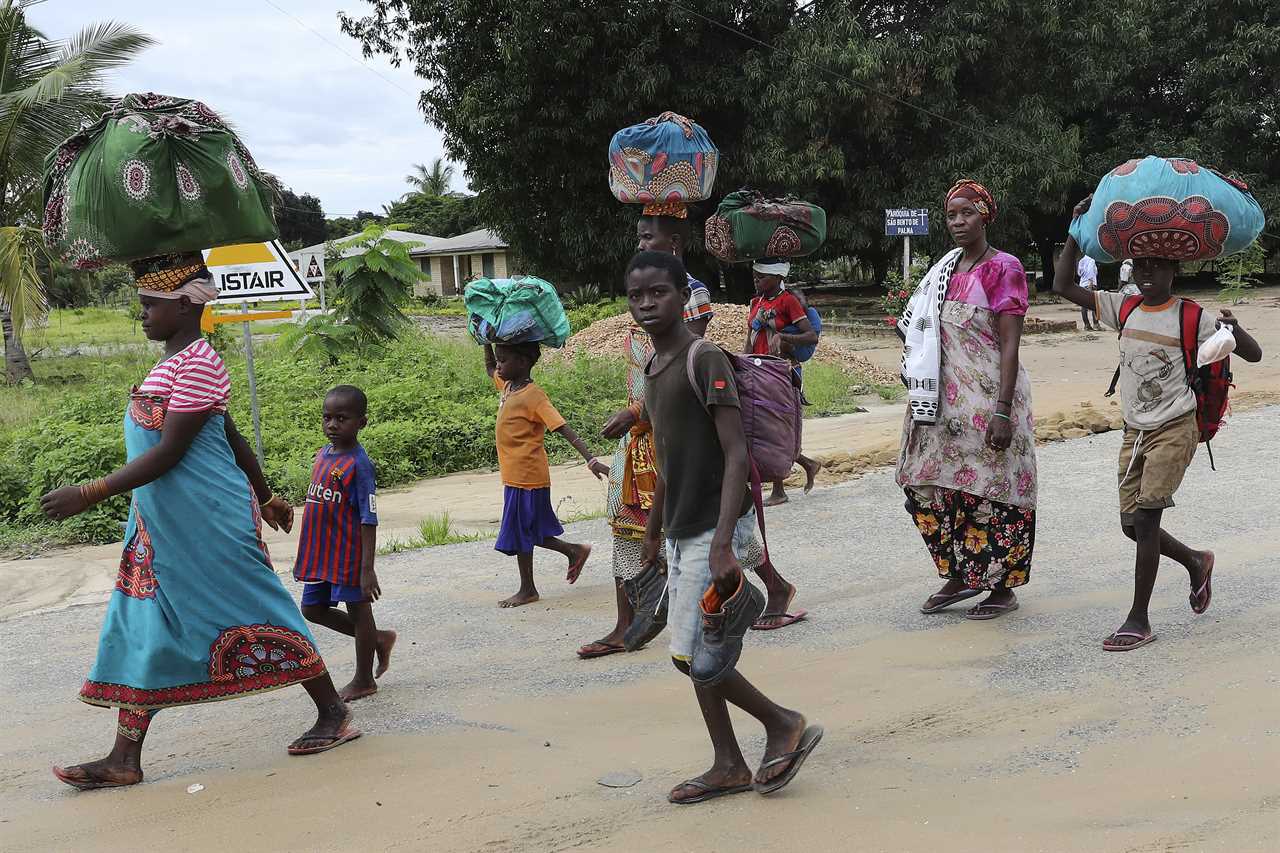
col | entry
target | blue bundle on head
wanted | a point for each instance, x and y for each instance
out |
(666, 159)
(1170, 208)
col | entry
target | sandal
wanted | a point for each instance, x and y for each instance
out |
(1109, 646)
(708, 792)
(324, 743)
(598, 650)
(997, 610)
(947, 600)
(808, 741)
(1205, 591)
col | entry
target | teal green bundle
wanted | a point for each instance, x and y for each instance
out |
(516, 311)
(154, 175)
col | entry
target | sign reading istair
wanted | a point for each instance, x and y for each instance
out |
(255, 272)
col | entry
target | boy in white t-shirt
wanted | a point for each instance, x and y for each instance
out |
(1161, 432)
(1087, 273)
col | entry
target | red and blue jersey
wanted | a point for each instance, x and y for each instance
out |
(342, 496)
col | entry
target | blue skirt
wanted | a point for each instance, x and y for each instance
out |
(527, 520)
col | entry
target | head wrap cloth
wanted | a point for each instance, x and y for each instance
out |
(983, 201)
(772, 266)
(674, 209)
(175, 276)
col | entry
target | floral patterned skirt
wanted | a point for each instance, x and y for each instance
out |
(982, 543)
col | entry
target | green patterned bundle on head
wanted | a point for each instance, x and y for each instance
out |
(154, 175)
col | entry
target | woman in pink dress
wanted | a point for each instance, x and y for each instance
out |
(968, 459)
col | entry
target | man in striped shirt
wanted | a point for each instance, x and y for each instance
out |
(338, 540)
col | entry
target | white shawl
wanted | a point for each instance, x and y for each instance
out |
(922, 347)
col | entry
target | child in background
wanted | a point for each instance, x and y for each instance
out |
(1161, 431)
(524, 416)
(339, 539)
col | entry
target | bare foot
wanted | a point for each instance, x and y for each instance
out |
(582, 552)
(357, 690)
(333, 728)
(103, 773)
(776, 499)
(715, 782)
(811, 470)
(386, 641)
(782, 739)
(519, 599)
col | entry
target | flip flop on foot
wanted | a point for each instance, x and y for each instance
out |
(383, 651)
(773, 621)
(705, 792)
(792, 759)
(90, 777)
(575, 566)
(1111, 644)
(985, 610)
(599, 649)
(1201, 597)
(312, 743)
(945, 600)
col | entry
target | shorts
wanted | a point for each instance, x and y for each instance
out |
(689, 577)
(330, 594)
(528, 519)
(1153, 463)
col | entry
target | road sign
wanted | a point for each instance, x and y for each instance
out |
(315, 270)
(906, 222)
(255, 272)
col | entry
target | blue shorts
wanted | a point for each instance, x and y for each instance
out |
(330, 594)
(527, 520)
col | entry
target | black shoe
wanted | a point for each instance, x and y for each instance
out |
(647, 594)
(720, 642)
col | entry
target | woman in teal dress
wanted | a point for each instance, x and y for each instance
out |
(197, 614)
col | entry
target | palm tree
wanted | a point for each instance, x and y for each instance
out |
(47, 89)
(434, 181)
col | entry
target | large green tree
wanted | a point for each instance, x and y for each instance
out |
(435, 180)
(47, 88)
(858, 106)
(439, 216)
(300, 219)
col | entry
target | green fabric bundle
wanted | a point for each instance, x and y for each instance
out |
(747, 226)
(154, 175)
(516, 310)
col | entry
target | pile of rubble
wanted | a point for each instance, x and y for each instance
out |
(729, 329)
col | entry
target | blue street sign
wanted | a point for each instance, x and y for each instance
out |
(906, 222)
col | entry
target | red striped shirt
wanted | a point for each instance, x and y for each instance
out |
(342, 496)
(194, 380)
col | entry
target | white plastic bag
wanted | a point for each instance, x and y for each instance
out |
(1220, 345)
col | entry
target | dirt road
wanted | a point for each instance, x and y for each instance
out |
(488, 735)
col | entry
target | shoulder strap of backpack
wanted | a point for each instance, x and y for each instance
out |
(1127, 308)
(1191, 312)
(698, 391)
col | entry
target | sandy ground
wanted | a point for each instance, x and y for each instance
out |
(1066, 370)
(488, 735)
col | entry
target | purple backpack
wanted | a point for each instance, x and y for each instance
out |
(770, 410)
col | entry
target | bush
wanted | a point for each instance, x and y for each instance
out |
(581, 316)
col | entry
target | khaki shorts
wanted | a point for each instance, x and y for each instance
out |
(1153, 462)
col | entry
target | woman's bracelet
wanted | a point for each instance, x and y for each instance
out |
(592, 461)
(95, 491)
(270, 497)
(1004, 403)
(1002, 415)
(636, 408)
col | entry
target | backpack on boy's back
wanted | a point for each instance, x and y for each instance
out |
(1211, 383)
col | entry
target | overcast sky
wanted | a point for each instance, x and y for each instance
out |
(308, 110)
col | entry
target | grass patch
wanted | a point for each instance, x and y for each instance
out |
(83, 327)
(432, 531)
(829, 389)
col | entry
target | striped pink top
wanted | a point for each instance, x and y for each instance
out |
(194, 380)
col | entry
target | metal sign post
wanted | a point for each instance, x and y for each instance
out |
(253, 387)
(253, 272)
(906, 222)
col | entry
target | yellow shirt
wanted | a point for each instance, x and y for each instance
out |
(524, 416)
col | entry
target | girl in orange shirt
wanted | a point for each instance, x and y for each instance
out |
(524, 416)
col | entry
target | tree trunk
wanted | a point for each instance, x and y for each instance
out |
(16, 364)
(1045, 248)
